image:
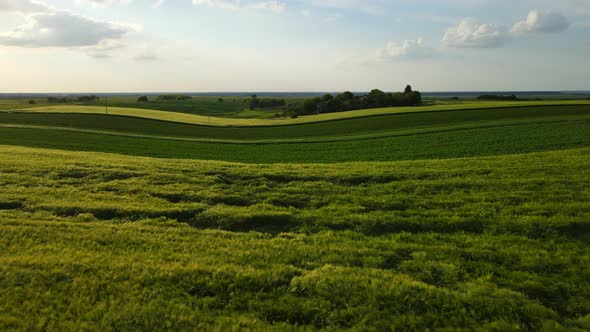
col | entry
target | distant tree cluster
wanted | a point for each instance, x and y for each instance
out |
(143, 99)
(174, 97)
(57, 100)
(80, 99)
(88, 99)
(497, 97)
(254, 102)
(347, 101)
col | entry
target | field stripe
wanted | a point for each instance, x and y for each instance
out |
(396, 133)
(232, 122)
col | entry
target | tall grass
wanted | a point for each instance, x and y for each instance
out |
(104, 242)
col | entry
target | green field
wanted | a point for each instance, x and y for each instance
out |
(402, 136)
(228, 121)
(382, 124)
(230, 106)
(454, 216)
(495, 243)
(197, 105)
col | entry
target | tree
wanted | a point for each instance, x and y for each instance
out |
(88, 99)
(220, 100)
(377, 98)
(143, 99)
(32, 102)
(347, 101)
(310, 106)
(414, 98)
(253, 102)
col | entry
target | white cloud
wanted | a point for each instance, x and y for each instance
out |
(470, 34)
(158, 3)
(271, 5)
(414, 49)
(23, 6)
(103, 49)
(305, 13)
(62, 29)
(367, 6)
(541, 22)
(104, 3)
(225, 4)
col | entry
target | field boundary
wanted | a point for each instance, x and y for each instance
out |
(243, 123)
(398, 133)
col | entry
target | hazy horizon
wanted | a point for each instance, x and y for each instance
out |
(128, 46)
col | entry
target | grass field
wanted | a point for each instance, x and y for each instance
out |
(225, 121)
(308, 131)
(106, 242)
(230, 106)
(466, 142)
(457, 216)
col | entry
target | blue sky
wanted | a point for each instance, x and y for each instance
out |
(299, 45)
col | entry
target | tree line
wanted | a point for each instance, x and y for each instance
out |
(81, 99)
(347, 101)
(173, 97)
(254, 102)
(497, 97)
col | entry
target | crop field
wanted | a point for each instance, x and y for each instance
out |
(363, 126)
(228, 107)
(197, 105)
(401, 136)
(498, 243)
(250, 121)
(453, 216)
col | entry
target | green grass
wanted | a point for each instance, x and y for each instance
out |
(199, 105)
(369, 220)
(106, 242)
(209, 106)
(347, 127)
(220, 121)
(446, 143)
(20, 103)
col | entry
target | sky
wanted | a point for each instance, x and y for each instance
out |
(293, 45)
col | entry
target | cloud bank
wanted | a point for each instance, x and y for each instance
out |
(408, 48)
(541, 22)
(271, 5)
(471, 34)
(46, 27)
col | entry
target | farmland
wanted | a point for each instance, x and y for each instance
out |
(455, 215)
(397, 136)
(491, 242)
(261, 121)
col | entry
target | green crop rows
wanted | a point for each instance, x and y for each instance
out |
(446, 217)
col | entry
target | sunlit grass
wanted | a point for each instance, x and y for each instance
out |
(106, 242)
(217, 121)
